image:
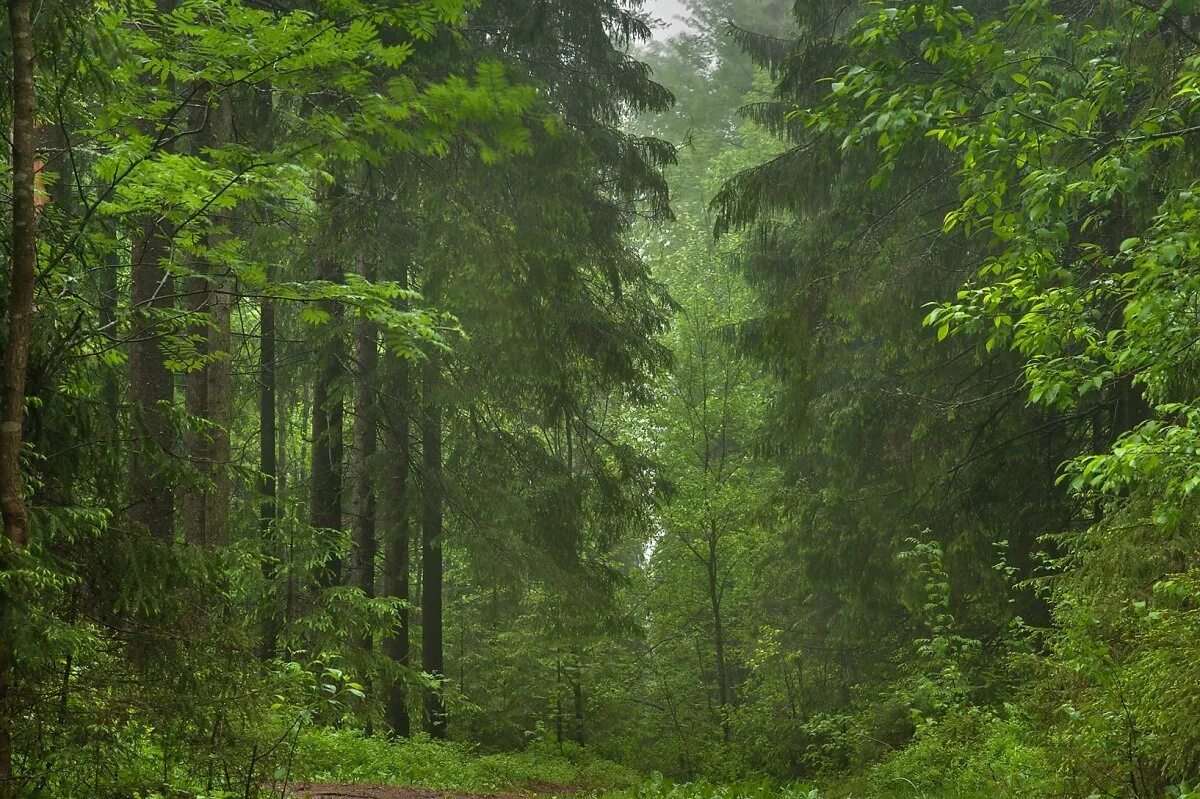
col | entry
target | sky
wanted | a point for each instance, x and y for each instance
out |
(668, 11)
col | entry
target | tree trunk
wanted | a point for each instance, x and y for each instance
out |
(151, 386)
(208, 385)
(366, 430)
(283, 498)
(432, 660)
(24, 263)
(714, 597)
(396, 566)
(267, 470)
(110, 392)
(577, 695)
(220, 412)
(195, 402)
(16, 355)
(325, 509)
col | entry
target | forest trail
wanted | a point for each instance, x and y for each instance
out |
(331, 790)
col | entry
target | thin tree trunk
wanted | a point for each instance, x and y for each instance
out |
(366, 431)
(395, 576)
(151, 386)
(714, 597)
(577, 695)
(206, 505)
(325, 510)
(16, 355)
(283, 496)
(195, 402)
(110, 392)
(24, 262)
(432, 656)
(220, 412)
(267, 469)
(558, 708)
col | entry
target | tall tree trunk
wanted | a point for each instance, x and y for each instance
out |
(110, 392)
(396, 566)
(267, 470)
(24, 263)
(151, 386)
(16, 355)
(325, 507)
(432, 657)
(283, 495)
(195, 402)
(208, 385)
(366, 430)
(220, 412)
(714, 598)
(558, 708)
(577, 694)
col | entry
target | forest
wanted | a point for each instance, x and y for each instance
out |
(613, 399)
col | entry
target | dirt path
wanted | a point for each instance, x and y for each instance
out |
(329, 790)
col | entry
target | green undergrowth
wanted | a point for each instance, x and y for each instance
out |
(348, 756)
(658, 787)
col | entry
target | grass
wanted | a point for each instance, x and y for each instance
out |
(349, 757)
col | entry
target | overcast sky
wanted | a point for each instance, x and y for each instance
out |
(668, 11)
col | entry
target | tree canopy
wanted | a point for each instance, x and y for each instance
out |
(519, 395)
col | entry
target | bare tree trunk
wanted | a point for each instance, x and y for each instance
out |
(151, 386)
(195, 402)
(206, 505)
(325, 506)
(16, 355)
(366, 430)
(283, 498)
(714, 597)
(396, 560)
(577, 695)
(24, 263)
(111, 390)
(432, 655)
(267, 468)
(220, 412)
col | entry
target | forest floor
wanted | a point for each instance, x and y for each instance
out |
(331, 790)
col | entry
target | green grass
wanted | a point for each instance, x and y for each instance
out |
(347, 756)
(657, 787)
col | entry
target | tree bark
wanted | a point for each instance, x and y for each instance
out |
(432, 656)
(220, 413)
(24, 263)
(267, 470)
(151, 387)
(325, 507)
(366, 431)
(714, 597)
(396, 565)
(577, 695)
(16, 355)
(195, 401)
(206, 504)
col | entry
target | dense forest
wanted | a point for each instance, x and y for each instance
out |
(753, 399)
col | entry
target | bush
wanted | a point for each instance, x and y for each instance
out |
(327, 755)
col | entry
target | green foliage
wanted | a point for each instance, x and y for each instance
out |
(346, 756)
(658, 787)
(890, 485)
(970, 755)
